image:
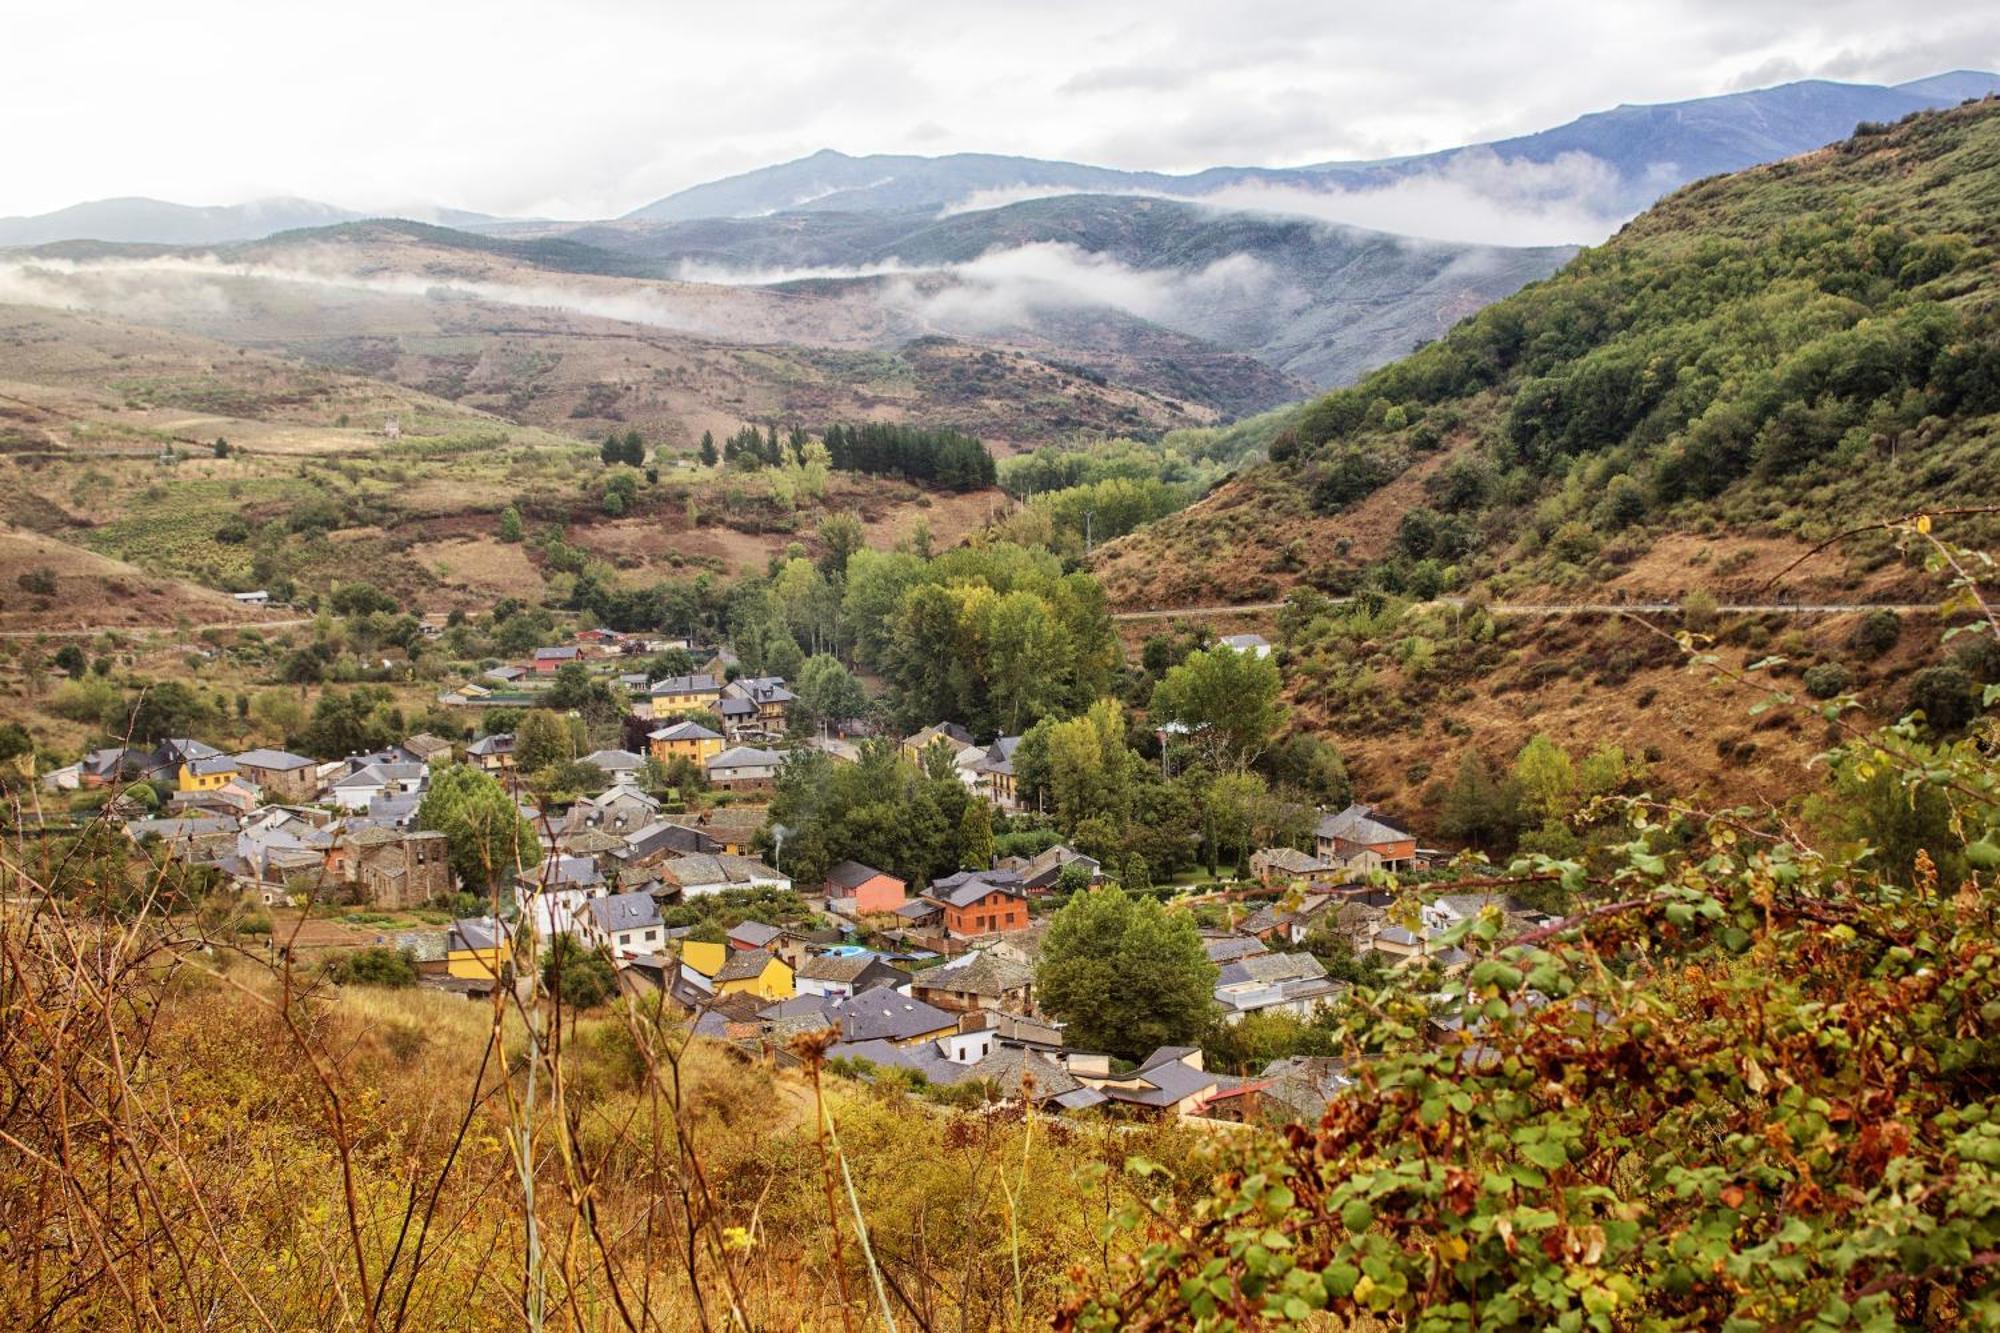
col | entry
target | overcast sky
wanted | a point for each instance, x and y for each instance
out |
(589, 108)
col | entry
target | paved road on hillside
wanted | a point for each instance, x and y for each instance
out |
(1563, 608)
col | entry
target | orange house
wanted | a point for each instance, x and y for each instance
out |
(974, 906)
(856, 890)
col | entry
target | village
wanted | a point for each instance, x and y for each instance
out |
(694, 901)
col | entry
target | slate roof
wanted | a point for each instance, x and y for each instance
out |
(684, 731)
(945, 731)
(501, 742)
(1229, 948)
(1357, 823)
(885, 1014)
(277, 761)
(560, 653)
(969, 886)
(476, 932)
(671, 837)
(1171, 1083)
(999, 757)
(838, 967)
(1009, 1067)
(1270, 968)
(615, 761)
(744, 965)
(1291, 860)
(754, 933)
(852, 875)
(983, 974)
(695, 684)
(210, 767)
(624, 911)
(745, 756)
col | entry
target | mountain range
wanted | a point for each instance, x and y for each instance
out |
(1648, 150)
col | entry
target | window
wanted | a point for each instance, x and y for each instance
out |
(652, 935)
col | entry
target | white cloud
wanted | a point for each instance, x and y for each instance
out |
(588, 108)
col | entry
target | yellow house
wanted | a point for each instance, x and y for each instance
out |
(684, 740)
(207, 774)
(479, 949)
(739, 971)
(680, 694)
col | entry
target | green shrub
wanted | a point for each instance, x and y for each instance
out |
(1826, 680)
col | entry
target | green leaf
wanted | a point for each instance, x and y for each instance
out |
(1357, 1216)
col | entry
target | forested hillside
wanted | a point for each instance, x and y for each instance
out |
(1774, 353)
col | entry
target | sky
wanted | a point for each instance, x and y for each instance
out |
(590, 108)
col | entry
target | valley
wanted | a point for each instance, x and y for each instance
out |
(975, 741)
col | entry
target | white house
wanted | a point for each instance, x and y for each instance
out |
(699, 874)
(744, 766)
(1254, 644)
(359, 788)
(627, 923)
(1284, 983)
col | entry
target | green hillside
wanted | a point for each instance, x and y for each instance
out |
(1777, 352)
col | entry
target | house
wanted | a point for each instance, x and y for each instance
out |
(982, 903)
(626, 923)
(1171, 1084)
(882, 1014)
(1357, 840)
(978, 982)
(390, 810)
(1298, 1087)
(234, 797)
(1457, 908)
(842, 974)
(1256, 645)
(1015, 1073)
(735, 827)
(103, 767)
(993, 773)
(1276, 866)
(1355, 917)
(1284, 983)
(660, 841)
(395, 869)
(855, 890)
(548, 661)
(494, 754)
(478, 949)
(206, 774)
(504, 674)
(769, 704)
(359, 788)
(721, 970)
(1042, 872)
(693, 876)
(744, 768)
(424, 748)
(176, 753)
(754, 935)
(621, 766)
(950, 734)
(682, 694)
(1228, 948)
(257, 597)
(618, 810)
(282, 775)
(560, 871)
(684, 740)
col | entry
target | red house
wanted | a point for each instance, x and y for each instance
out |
(547, 661)
(856, 890)
(980, 903)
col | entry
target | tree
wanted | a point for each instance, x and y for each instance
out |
(1547, 778)
(542, 739)
(70, 661)
(826, 691)
(1126, 975)
(490, 839)
(840, 537)
(1227, 700)
(580, 978)
(1478, 808)
(709, 457)
(510, 524)
(1944, 695)
(975, 836)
